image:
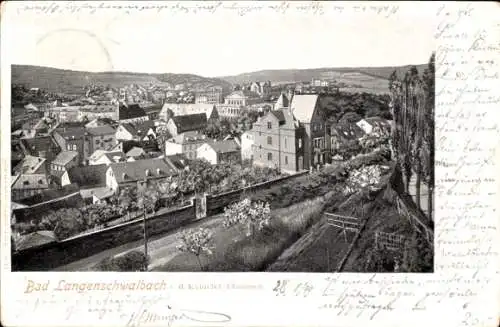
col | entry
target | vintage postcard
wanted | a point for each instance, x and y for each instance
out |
(260, 163)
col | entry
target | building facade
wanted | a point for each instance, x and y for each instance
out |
(101, 138)
(212, 95)
(64, 160)
(74, 138)
(186, 123)
(247, 141)
(278, 142)
(186, 143)
(170, 110)
(217, 152)
(308, 109)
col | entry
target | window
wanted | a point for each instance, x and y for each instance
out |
(286, 160)
(285, 142)
(269, 125)
(270, 140)
(74, 147)
(318, 142)
(260, 133)
(300, 143)
(269, 156)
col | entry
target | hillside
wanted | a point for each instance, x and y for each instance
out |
(364, 79)
(55, 80)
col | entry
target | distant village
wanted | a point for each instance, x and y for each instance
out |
(109, 139)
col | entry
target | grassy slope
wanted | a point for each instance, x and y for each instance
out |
(322, 249)
(234, 251)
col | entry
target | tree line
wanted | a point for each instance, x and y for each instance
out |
(412, 135)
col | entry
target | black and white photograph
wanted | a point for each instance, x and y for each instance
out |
(213, 148)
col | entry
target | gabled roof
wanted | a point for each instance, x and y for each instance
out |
(64, 157)
(100, 121)
(139, 129)
(188, 137)
(140, 169)
(279, 115)
(282, 101)
(180, 109)
(135, 152)
(40, 143)
(32, 181)
(35, 239)
(101, 130)
(115, 156)
(49, 195)
(179, 161)
(88, 175)
(73, 132)
(130, 111)
(97, 154)
(348, 130)
(192, 122)
(224, 146)
(103, 193)
(303, 106)
(28, 165)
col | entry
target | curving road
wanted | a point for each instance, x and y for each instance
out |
(161, 248)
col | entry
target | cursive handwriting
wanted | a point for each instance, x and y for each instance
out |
(241, 8)
(167, 315)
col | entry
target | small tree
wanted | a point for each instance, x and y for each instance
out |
(196, 241)
(254, 215)
(71, 222)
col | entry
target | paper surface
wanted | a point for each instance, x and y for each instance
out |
(463, 290)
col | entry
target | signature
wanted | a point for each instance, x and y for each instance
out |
(170, 315)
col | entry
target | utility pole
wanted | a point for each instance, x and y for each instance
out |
(141, 192)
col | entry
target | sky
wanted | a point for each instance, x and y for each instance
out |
(221, 43)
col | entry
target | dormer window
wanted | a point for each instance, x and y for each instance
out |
(26, 183)
(124, 176)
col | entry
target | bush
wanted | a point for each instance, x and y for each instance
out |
(379, 259)
(419, 256)
(131, 261)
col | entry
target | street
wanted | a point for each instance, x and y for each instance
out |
(161, 248)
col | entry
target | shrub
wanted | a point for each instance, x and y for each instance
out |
(131, 261)
(419, 256)
(379, 259)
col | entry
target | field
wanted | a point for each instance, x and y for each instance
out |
(71, 82)
(368, 79)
